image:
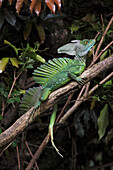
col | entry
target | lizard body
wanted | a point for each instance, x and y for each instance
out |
(57, 72)
(54, 74)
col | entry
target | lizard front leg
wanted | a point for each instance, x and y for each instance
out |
(77, 79)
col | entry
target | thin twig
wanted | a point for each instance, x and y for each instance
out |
(18, 157)
(87, 89)
(97, 35)
(102, 51)
(31, 154)
(102, 22)
(38, 152)
(15, 79)
(23, 149)
(105, 32)
(6, 147)
(102, 82)
(80, 93)
(62, 111)
(28, 163)
(96, 56)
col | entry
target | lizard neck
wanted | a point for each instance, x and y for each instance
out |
(80, 59)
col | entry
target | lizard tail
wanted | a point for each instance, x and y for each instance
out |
(31, 98)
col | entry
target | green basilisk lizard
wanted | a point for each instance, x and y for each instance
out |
(56, 73)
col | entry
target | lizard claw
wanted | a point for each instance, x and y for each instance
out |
(82, 81)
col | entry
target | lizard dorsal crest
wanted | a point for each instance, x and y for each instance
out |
(46, 71)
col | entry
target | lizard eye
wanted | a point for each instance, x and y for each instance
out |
(86, 42)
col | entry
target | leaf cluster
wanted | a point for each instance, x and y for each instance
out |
(25, 58)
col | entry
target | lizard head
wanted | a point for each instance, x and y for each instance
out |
(77, 47)
(82, 47)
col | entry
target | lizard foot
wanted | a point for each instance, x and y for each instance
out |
(82, 81)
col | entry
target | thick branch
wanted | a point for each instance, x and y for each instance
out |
(22, 122)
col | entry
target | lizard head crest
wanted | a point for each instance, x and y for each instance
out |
(82, 47)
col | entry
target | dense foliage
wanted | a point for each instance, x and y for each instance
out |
(30, 34)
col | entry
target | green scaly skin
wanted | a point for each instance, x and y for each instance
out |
(62, 77)
(55, 74)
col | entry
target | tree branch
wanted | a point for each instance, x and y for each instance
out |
(20, 125)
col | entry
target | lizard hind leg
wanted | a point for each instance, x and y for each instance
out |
(30, 99)
(45, 93)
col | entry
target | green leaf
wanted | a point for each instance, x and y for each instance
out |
(103, 121)
(3, 63)
(14, 99)
(11, 100)
(29, 66)
(8, 43)
(108, 84)
(27, 30)
(15, 143)
(109, 32)
(74, 28)
(98, 38)
(92, 104)
(87, 18)
(34, 56)
(96, 98)
(39, 59)
(14, 62)
(103, 55)
(41, 32)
